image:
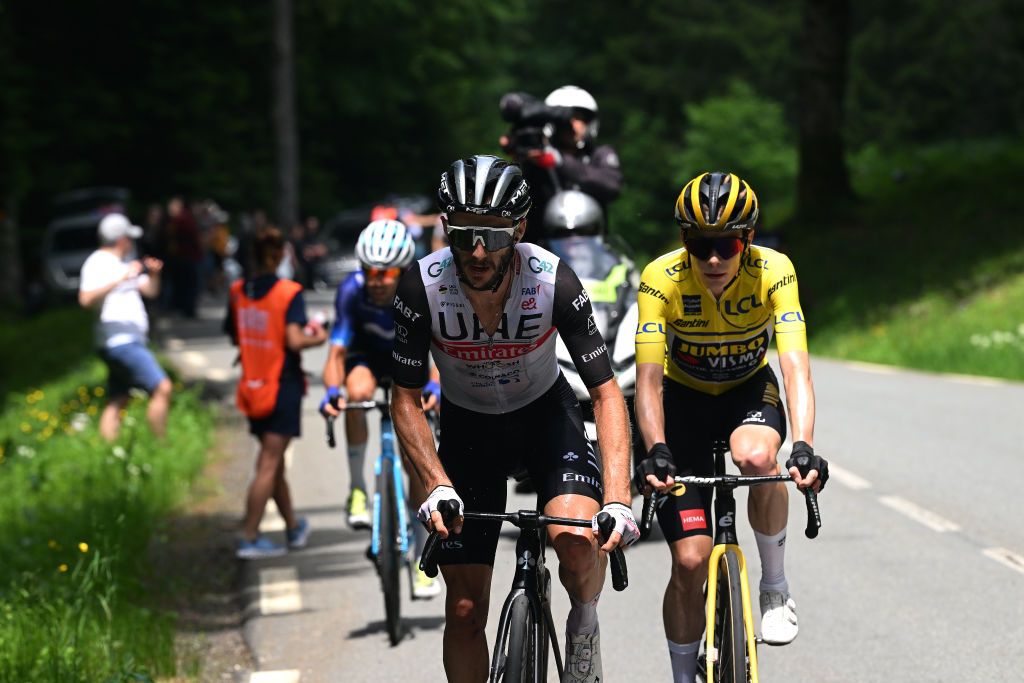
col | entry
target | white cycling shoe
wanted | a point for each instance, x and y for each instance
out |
(583, 659)
(778, 618)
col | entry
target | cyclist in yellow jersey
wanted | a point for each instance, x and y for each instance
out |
(708, 312)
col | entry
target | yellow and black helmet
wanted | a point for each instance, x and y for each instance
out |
(717, 202)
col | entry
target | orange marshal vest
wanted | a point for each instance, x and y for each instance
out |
(260, 325)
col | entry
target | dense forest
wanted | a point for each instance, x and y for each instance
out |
(167, 96)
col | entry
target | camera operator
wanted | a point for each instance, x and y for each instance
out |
(553, 142)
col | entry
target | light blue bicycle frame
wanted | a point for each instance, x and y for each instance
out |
(389, 461)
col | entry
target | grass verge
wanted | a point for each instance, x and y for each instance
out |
(79, 515)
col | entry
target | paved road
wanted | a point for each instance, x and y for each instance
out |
(917, 575)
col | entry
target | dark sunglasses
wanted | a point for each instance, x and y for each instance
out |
(382, 273)
(466, 237)
(725, 247)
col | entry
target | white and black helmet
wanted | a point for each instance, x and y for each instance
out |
(571, 212)
(385, 244)
(582, 103)
(486, 186)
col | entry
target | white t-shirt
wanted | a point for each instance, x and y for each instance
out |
(123, 317)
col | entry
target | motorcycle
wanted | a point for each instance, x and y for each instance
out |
(574, 229)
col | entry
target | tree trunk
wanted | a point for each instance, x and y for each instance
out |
(10, 262)
(824, 183)
(285, 129)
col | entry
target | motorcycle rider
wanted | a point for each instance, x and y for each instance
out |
(570, 160)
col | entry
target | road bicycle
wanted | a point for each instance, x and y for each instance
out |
(730, 646)
(391, 537)
(526, 626)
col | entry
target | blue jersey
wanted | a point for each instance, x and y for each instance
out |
(360, 325)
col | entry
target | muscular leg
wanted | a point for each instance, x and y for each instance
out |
(754, 448)
(581, 567)
(158, 407)
(110, 418)
(360, 385)
(683, 604)
(465, 609)
(283, 494)
(271, 457)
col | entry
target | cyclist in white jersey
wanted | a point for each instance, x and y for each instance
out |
(488, 309)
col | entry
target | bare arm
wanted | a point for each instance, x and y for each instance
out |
(796, 374)
(334, 368)
(151, 288)
(614, 436)
(650, 410)
(297, 340)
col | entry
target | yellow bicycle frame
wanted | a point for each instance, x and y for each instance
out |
(748, 621)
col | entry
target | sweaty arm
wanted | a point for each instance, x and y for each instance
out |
(410, 363)
(791, 339)
(573, 316)
(295, 320)
(650, 366)
(342, 333)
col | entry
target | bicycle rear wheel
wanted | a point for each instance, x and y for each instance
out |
(519, 656)
(730, 633)
(389, 559)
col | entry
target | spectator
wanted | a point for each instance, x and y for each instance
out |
(116, 285)
(267, 320)
(186, 254)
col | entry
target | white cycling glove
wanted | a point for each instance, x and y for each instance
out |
(436, 496)
(625, 523)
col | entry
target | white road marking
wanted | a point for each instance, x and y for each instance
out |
(272, 519)
(1005, 557)
(279, 591)
(289, 676)
(195, 359)
(847, 478)
(919, 514)
(871, 367)
(218, 374)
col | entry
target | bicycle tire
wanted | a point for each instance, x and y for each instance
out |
(389, 558)
(730, 631)
(519, 655)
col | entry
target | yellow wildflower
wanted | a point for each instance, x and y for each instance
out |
(97, 392)
(83, 546)
(53, 544)
(26, 427)
(63, 568)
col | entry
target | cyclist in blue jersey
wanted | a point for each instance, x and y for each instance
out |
(359, 355)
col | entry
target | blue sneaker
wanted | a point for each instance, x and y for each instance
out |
(261, 547)
(298, 536)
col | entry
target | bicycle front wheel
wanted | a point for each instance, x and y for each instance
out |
(730, 633)
(389, 559)
(519, 658)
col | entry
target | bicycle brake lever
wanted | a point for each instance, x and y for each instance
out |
(620, 576)
(331, 442)
(813, 514)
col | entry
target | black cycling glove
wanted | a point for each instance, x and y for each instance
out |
(658, 462)
(804, 459)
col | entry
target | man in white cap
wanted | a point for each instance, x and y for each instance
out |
(114, 281)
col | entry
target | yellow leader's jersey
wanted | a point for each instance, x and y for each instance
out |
(710, 345)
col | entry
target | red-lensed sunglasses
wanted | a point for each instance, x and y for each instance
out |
(725, 247)
(392, 273)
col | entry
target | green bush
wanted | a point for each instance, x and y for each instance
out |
(741, 132)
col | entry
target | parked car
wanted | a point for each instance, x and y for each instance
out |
(72, 234)
(340, 233)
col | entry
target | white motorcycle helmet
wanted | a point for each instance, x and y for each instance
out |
(571, 212)
(582, 103)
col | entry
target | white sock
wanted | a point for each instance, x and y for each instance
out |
(582, 619)
(684, 661)
(773, 554)
(356, 463)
